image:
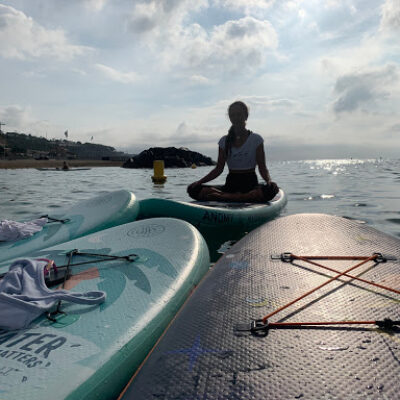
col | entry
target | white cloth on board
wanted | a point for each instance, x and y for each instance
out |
(13, 230)
(24, 295)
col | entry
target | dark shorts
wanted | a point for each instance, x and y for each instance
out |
(240, 183)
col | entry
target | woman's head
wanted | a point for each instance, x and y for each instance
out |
(238, 113)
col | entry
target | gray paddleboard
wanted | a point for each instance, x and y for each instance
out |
(203, 356)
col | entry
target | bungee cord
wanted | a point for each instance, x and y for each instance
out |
(261, 326)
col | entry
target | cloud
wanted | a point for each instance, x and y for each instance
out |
(359, 89)
(117, 76)
(21, 37)
(390, 15)
(390, 133)
(395, 127)
(393, 130)
(261, 104)
(145, 18)
(259, 107)
(15, 116)
(247, 6)
(162, 17)
(23, 120)
(95, 5)
(200, 80)
(187, 135)
(345, 60)
(332, 23)
(235, 46)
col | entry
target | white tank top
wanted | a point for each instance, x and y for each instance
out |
(243, 157)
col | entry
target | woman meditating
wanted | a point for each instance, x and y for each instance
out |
(242, 150)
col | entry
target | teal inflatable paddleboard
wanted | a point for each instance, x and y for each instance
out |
(91, 351)
(217, 221)
(100, 212)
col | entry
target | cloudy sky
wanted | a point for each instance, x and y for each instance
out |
(321, 77)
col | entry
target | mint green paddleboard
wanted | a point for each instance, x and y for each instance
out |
(218, 221)
(100, 212)
(214, 214)
(92, 351)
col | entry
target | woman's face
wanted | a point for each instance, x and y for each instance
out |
(237, 115)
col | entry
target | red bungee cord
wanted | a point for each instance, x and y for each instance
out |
(308, 259)
(264, 325)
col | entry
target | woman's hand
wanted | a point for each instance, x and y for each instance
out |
(262, 168)
(214, 173)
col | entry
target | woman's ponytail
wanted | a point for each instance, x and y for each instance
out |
(229, 141)
(231, 133)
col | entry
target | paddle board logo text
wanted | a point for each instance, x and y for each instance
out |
(218, 218)
(29, 348)
(146, 231)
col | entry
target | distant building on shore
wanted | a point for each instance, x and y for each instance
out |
(14, 145)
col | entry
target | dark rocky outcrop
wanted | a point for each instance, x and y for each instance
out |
(173, 157)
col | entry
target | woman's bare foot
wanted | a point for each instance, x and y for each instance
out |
(254, 196)
(212, 193)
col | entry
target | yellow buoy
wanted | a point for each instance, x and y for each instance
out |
(194, 165)
(158, 177)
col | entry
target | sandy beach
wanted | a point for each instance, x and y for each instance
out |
(31, 163)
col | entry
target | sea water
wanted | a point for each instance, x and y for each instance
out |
(364, 190)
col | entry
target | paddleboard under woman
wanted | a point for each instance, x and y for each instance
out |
(242, 150)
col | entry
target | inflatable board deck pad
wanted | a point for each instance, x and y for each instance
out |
(92, 351)
(100, 212)
(217, 221)
(61, 169)
(209, 353)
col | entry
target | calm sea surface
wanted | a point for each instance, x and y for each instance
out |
(365, 190)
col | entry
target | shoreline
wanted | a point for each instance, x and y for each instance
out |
(32, 163)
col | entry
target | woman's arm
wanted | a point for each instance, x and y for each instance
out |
(262, 168)
(217, 171)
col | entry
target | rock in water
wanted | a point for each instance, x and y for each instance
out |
(173, 157)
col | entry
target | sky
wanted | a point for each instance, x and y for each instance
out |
(321, 77)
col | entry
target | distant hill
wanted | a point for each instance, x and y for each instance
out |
(20, 145)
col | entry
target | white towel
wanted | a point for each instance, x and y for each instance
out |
(12, 230)
(24, 295)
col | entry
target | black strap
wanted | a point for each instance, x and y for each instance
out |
(76, 252)
(51, 315)
(52, 219)
(102, 258)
